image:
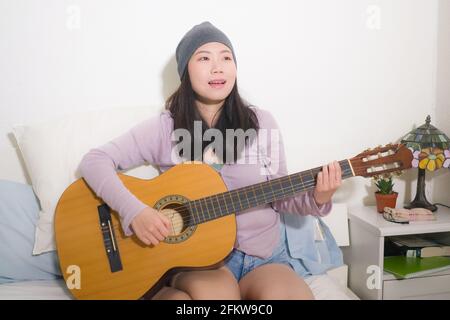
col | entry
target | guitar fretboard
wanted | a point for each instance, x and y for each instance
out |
(234, 201)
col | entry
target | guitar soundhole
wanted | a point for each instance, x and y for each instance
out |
(179, 215)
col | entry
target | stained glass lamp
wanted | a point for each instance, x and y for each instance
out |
(431, 150)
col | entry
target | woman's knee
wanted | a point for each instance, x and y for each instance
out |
(209, 284)
(292, 293)
(274, 282)
(169, 293)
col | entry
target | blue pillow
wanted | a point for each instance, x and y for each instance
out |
(19, 212)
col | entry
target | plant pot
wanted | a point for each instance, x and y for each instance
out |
(385, 200)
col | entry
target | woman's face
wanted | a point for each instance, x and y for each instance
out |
(212, 72)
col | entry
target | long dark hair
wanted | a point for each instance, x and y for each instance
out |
(235, 114)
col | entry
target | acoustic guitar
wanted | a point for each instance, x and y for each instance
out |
(98, 261)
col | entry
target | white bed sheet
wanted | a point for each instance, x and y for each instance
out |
(35, 290)
(323, 287)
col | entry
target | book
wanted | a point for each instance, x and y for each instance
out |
(411, 267)
(416, 246)
(428, 252)
(413, 241)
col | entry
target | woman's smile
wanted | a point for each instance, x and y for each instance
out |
(217, 83)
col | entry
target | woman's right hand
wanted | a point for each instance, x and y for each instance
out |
(151, 226)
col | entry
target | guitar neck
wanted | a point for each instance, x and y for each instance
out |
(222, 204)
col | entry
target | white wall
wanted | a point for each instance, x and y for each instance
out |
(441, 178)
(339, 76)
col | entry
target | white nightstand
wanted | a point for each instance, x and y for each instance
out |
(365, 254)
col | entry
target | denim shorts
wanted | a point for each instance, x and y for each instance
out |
(240, 263)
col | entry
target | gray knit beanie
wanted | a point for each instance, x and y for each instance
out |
(195, 38)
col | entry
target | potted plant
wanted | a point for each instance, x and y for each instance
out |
(385, 196)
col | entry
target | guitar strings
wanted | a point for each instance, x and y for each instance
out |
(188, 219)
(186, 216)
(304, 186)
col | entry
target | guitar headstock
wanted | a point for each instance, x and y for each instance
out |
(391, 158)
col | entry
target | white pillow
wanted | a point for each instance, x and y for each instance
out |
(53, 150)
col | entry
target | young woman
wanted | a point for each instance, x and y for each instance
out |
(208, 95)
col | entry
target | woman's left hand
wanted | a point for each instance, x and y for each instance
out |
(328, 180)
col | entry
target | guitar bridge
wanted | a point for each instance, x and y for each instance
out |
(109, 238)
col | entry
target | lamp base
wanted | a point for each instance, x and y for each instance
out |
(421, 204)
(420, 201)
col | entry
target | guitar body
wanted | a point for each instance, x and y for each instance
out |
(131, 269)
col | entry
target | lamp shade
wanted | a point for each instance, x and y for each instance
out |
(426, 136)
(429, 146)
